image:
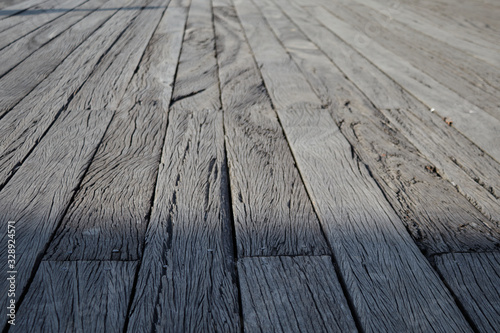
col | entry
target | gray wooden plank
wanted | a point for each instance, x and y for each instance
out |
(33, 22)
(37, 197)
(12, 7)
(108, 217)
(292, 294)
(24, 47)
(22, 127)
(472, 121)
(186, 280)
(438, 217)
(392, 285)
(272, 212)
(9, 16)
(475, 174)
(474, 278)
(77, 296)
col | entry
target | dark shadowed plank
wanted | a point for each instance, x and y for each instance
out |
(391, 284)
(23, 127)
(474, 278)
(438, 217)
(38, 195)
(108, 217)
(186, 281)
(292, 294)
(77, 296)
(273, 215)
(475, 174)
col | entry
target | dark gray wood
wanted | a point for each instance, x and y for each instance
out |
(391, 284)
(38, 195)
(474, 278)
(108, 218)
(273, 214)
(292, 294)
(77, 296)
(438, 217)
(186, 282)
(21, 128)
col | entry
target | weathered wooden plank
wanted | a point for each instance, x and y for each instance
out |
(37, 197)
(475, 174)
(108, 218)
(187, 277)
(292, 294)
(24, 47)
(12, 7)
(474, 278)
(479, 126)
(392, 285)
(37, 20)
(77, 296)
(21, 128)
(273, 214)
(438, 217)
(10, 16)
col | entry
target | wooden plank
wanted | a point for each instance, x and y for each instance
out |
(12, 7)
(438, 217)
(292, 294)
(38, 195)
(474, 278)
(36, 20)
(77, 296)
(473, 173)
(10, 15)
(108, 218)
(273, 214)
(24, 47)
(21, 128)
(186, 280)
(391, 284)
(479, 126)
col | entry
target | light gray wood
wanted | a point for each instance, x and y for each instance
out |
(475, 174)
(23, 127)
(24, 47)
(38, 195)
(474, 279)
(292, 294)
(12, 7)
(392, 285)
(482, 128)
(36, 20)
(108, 218)
(438, 217)
(186, 282)
(11, 15)
(77, 296)
(273, 214)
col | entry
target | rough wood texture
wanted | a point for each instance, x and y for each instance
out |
(78, 296)
(474, 278)
(23, 127)
(187, 278)
(12, 7)
(438, 217)
(108, 218)
(273, 214)
(14, 14)
(292, 294)
(38, 195)
(392, 286)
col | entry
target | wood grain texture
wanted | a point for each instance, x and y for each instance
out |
(22, 128)
(14, 14)
(292, 294)
(273, 214)
(108, 217)
(473, 173)
(187, 278)
(12, 7)
(40, 192)
(474, 278)
(392, 285)
(16, 52)
(77, 296)
(438, 217)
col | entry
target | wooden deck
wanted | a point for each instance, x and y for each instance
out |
(250, 165)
